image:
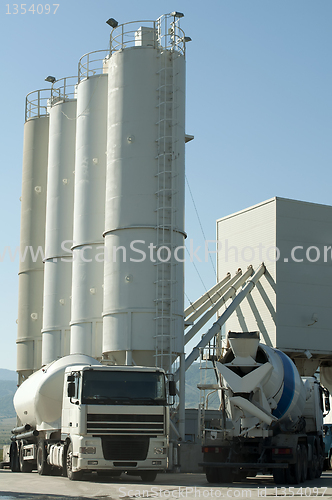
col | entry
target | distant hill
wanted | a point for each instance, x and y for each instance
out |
(7, 391)
(7, 374)
(8, 381)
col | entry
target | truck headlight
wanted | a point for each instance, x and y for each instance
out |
(160, 451)
(87, 450)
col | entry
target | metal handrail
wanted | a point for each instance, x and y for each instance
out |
(63, 89)
(167, 34)
(170, 35)
(37, 104)
(87, 66)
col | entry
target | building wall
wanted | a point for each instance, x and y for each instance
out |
(304, 288)
(245, 238)
(291, 305)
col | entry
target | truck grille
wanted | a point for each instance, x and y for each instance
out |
(98, 423)
(122, 448)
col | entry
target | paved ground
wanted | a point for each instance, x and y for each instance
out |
(17, 486)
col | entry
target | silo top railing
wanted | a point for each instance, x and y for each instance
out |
(63, 90)
(93, 63)
(164, 33)
(37, 103)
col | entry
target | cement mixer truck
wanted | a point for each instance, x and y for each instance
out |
(80, 416)
(271, 419)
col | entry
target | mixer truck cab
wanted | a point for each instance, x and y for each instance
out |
(79, 416)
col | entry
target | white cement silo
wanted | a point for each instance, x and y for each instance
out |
(89, 208)
(59, 221)
(32, 240)
(143, 300)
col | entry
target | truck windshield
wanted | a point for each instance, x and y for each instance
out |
(123, 388)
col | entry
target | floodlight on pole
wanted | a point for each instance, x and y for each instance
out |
(50, 79)
(112, 22)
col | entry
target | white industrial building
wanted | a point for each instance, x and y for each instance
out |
(291, 304)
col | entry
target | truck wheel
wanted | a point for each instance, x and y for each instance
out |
(316, 469)
(313, 467)
(279, 476)
(24, 465)
(304, 462)
(148, 476)
(72, 475)
(312, 471)
(320, 460)
(13, 454)
(294, 472)
(43, 468)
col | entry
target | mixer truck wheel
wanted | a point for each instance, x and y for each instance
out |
(294, 472)
(72, 475)
(320, 459)
(313, 467)
(43, 468)
(304, 462)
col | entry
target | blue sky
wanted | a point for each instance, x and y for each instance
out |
(259, 80)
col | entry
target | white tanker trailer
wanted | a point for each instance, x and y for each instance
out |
(271, 418)
(77, 415)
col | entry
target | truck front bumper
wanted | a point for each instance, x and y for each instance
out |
(88, 454)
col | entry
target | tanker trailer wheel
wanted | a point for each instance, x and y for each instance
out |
(304, 462)
(14, 459)
(43, 468)
(24, 465)
(148, 476)
(72, 475)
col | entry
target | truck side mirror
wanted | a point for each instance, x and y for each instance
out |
(71, 389)
(172, 388)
